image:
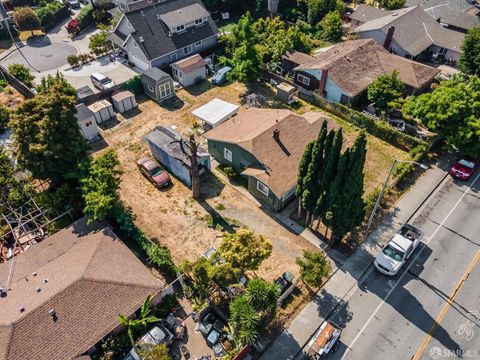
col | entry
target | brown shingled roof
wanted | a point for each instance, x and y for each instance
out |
(253, 131)
(190, 64)
(353, 65)
(91, 277)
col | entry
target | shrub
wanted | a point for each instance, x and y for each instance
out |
(22, 73)
(314, 267)
(3, 84)
(161, 257)
(230, 172)
(168, 303)
(46, 13)
(133, 85)
(72, 60)
(4, 117)
(85, 17)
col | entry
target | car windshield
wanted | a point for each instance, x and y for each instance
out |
(467, 163)
(157, 170)
(105, 80)
(393, 253)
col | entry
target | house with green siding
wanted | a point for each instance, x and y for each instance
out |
(265, 146)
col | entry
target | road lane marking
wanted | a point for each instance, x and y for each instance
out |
(349, 347)
(446, 307)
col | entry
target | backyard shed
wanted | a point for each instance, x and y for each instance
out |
(86, 122)
(189, 71)
(173, 152)
(286, 93)
(124, 101)
(102, 111)
(157, 84)
(215, 112)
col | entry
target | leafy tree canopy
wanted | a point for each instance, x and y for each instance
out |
(22, 73)
(263, 295)
(157, 352)
(56, 83)
(387, 4)
(244, 249)
(314, 267)
(385, 89)
(331, 27)
(453, 111)
(245, 321)
(27, 19)
(470, 59)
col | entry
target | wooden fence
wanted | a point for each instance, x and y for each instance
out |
(17, 84)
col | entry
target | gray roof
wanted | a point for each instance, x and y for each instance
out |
(155, 74)
(415, 31)
(458, 13)
(184, 15)
(364, 13)
(156, 40)
(173, 144)
(83, 112)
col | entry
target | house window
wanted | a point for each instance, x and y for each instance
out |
(88, 123)
(135, 44)
(198, 43)
(187, 50)
(151, 89)
(288, 193)
(198, 21)
(244, 163)
(173, 57)
(165, 90)
(303, 79)
(174, 72)
(122, 7)
(227, 154)
(442, 51)
(262, 188)
(180, 28)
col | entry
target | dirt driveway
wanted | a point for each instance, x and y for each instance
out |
(171, 217)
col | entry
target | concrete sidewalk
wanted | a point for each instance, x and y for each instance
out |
(343, 282)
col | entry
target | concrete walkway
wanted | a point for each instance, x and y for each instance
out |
(344, 281)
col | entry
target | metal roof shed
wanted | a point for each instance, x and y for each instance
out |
(102, 110)
(124, 101)
(215, 112)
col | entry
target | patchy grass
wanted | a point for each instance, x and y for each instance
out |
(220, 207)
(227, 25)
(25, 35)
(10, 97)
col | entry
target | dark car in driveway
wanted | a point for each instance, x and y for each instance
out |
(154, 172)
(463, 169)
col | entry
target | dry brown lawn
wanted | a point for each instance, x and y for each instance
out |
(172, 218)
(10, 97)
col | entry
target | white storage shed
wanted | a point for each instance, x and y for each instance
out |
(124, 101)
(86, 122)
(102, 110)
(215, 112)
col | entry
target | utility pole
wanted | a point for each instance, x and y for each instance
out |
(194, 168)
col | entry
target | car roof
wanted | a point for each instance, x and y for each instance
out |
(99, 76)
(147, 163)
(400, 242)
(154, 336)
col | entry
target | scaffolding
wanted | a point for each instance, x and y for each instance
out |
(23, 226)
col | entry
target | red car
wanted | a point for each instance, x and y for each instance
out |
(154, 172)
(463, 169)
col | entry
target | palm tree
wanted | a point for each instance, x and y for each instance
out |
(141, 322)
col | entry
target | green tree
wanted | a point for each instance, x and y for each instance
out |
(349, 211)
(47, 139)
(331, 27)
(6, 171)
(469, 61)
(56, 83)
(314, 267)
(98, 42)
(302, 173)
(385, 89)
(4, 117)
(387, 4)
(157, 352)
(245, 250)
(141, 322)
(245, 321)
(100, 185)
(317, 9)
(262, 295)
(224, 274)
(22, 73)
(27, 19)
(453, 111)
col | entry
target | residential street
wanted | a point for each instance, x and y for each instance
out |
(408, 316)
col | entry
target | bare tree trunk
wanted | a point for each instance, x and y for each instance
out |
(299, 209)
(194, 168)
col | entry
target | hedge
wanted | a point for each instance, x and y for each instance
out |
(377, 128)
(46, 13)
(85, 17)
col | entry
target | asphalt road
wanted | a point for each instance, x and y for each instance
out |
(431, 309)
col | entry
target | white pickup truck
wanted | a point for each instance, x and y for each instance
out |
(398, 250)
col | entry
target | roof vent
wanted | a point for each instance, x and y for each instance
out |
(21, 309)
(34, 274)
(38, 289)
(158, 16)
(45, 280)
(3, 293)
(141, 39)
(53, 314)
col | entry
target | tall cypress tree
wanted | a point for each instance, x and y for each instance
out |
(350, 209)
(302, 173)
(310, 183)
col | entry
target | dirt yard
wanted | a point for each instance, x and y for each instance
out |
(189, 228)
(10, 97)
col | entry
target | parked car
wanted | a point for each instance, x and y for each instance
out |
(221, 75)
(284, 281)
(157, 335)
(154, 172)
(463, 169)
(213, 329)
(73, 4)
(101, 81)
(398, 249)
(325, 340)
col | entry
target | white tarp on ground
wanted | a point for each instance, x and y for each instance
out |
(215, 112)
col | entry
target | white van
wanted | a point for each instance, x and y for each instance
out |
(101, 81)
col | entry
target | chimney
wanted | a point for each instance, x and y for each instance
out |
(276, 134)
(388, 38)
(323, 81)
